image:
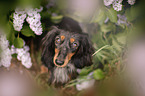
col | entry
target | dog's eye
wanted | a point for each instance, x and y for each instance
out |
(75, 44)
(57, 41)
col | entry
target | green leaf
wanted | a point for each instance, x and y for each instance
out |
(26, 31)
(131, 13)
(112, 14)
(10, 33)
(14, 55)
(84, 72)
(11, 16)
(107, 27)
(98, 74)
(33, 3)
(99, 17)
(18, 42)
(56, 19)
(119, 40)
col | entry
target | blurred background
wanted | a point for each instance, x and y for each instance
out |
(116, 28)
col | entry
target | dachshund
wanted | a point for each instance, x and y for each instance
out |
(65, 49)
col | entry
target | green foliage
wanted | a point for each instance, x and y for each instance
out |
(56, 19)
(26, 31)
(85, 71)
(34, 3)
(108, 39)
(112, 14)
(47, 15)
(98, 74)
(132, 13)
(10, 32)
(108, 27)
(18, 42)
(99, 17)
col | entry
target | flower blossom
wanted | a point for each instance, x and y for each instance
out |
(6, 58)
(5, 53)
(33, 18)
(117, 4)
(19, 17)
(108, 2)
(131, 2)
(84, 84)
(23, 55)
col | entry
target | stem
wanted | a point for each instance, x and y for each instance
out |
(18, 35)
(100, 49)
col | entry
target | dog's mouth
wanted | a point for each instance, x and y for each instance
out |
(62, 63)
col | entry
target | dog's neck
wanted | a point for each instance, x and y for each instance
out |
(61, 75)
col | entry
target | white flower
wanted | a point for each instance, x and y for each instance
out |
(26, 48)
(6, 58)
(19, 17)
(26, 60)
(13, 49)
(34, 20)
(117, 6)
(3, 41)
(5, 55)
(108, 2)
(23, 55)
(19, 11)
(131, 2)
(84, 84)
(20, 51)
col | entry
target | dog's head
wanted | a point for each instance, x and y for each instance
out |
(61, 47)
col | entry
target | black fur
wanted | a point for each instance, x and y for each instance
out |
(48, 48)
(82, 57)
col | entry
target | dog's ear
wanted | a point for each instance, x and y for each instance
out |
(48, 47)
(83, 56)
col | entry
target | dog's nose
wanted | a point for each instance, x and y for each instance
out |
(59, 62)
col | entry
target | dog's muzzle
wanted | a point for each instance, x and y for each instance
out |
(59, 62)
(62, 61)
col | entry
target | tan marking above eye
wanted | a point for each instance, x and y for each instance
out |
(72, 40)
(62, 37)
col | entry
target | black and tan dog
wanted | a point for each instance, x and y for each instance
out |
(65, 50)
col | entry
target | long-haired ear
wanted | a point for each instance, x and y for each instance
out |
(48, 47)
(83, 57)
